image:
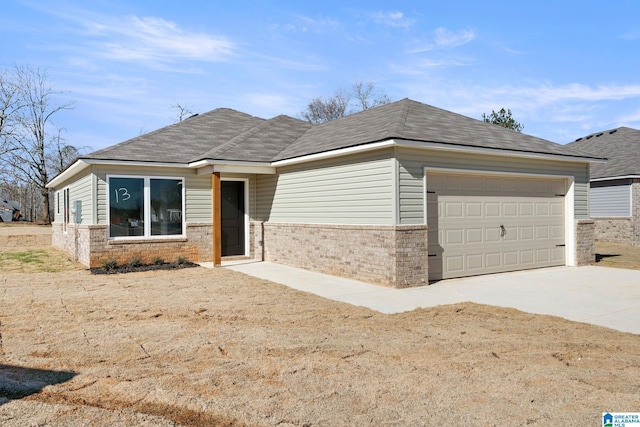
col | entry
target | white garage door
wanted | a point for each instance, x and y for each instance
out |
(481, 224)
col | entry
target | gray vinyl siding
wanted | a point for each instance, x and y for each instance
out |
(411, 176)
(610, 199)
(198, 201)
(82, 189)
(355, 190)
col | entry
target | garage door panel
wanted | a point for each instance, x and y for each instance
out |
(526, 233)
(470, 212)
(510, 209)
(510, 258)
(454, 264)
(557, 254)
(474, 262)
(474, 235)
(473, 209)
(453, 237)
(527, 257)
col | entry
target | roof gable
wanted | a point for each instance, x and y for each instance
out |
(261, 142)
(181, 142)
(621, 146)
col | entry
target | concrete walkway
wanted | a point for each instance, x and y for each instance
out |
(598, 295)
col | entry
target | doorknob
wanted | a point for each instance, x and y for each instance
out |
(503, 231)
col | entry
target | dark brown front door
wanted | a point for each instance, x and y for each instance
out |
(232, 214)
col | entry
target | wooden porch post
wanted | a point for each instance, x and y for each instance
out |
(217, 219)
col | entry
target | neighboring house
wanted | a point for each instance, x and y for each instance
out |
(397, 195)
(9, 210)
(614, 198)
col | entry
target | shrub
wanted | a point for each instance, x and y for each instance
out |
(110, 264)
(135, 262)
(157, 261)
(181, 260)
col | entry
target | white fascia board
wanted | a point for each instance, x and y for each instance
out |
(612, 178)
(205, 167)
(72, 170)
(82, 164)
(432, 146)
(335, 153)
(495, 151)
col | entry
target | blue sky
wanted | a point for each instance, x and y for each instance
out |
(564, 68)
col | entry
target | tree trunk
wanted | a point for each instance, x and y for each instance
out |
(45, 204)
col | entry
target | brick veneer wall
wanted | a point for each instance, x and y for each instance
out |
(624, 230)
(88, 244)
(388, 255)
(585, 239)
(615, 230)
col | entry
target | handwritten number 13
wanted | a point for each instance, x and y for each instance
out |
(122, 194)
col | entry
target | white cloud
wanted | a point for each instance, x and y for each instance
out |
(548, 94)
(392, 19)
(445, 38)
(156, 40)
(305, 24)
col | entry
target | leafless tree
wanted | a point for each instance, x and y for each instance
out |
(182, 111)
(321, 110)
(9, 107)
(32, 146)
(367, 97)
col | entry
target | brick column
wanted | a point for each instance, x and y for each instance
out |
(585, 242)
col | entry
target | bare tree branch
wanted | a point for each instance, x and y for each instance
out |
(183, 111)
(29, 149)
(321, 110)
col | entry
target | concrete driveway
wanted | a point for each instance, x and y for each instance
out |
(598, 295)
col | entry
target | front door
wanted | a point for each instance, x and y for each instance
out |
(232, 214)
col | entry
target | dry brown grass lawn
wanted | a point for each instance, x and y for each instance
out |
(617, 255)
(214, 347)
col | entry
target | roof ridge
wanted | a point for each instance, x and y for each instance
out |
(311, 126)
(406, 106)
(237, 139)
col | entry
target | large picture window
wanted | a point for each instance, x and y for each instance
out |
(145, 207)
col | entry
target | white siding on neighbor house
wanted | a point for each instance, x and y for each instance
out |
(411, 176)
(357, 190)
(197, 189)
(610, 199)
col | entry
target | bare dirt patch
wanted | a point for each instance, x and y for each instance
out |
(215, 347)
(617, 255)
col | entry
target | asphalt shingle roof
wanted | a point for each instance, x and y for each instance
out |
(620, 146)
(183, 141)
(411, 120)
(225, 134)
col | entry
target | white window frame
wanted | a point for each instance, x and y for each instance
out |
(66, 208)
(147, 208)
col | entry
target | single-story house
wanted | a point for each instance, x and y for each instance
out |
(614, 198)
(398, 195)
